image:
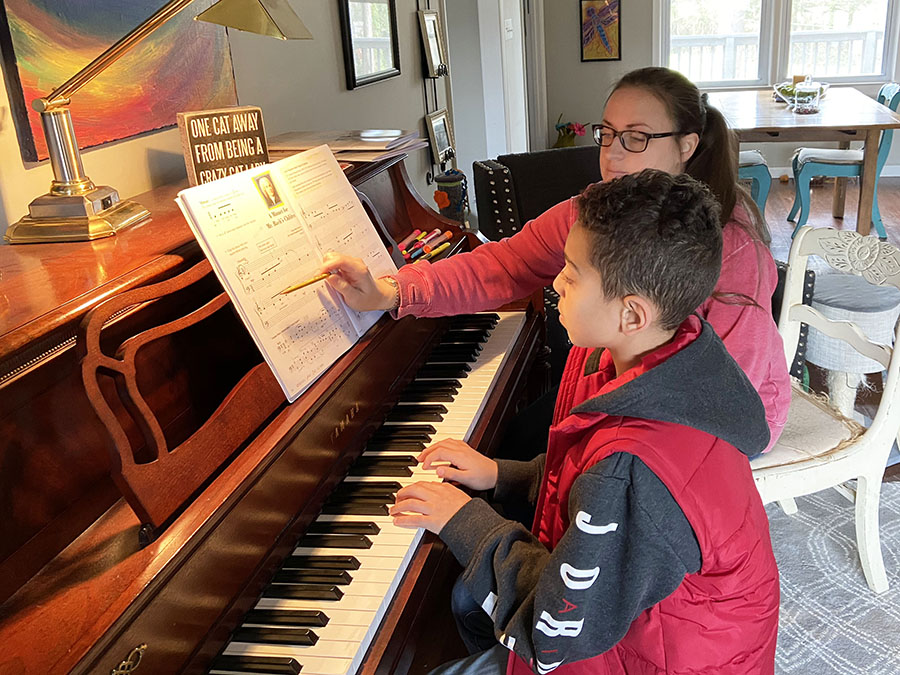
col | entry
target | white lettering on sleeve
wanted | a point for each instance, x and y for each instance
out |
(583, 523)
(544, 668)
(554, 628)
(577, 579)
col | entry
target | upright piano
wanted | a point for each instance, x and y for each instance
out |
(164, 510)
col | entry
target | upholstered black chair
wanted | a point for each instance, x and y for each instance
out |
(514, 189)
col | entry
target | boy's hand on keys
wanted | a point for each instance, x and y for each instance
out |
(428, 505)
(456, 461)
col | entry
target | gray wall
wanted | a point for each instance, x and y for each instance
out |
(298, 84)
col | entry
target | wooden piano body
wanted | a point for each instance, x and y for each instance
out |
(79, 591)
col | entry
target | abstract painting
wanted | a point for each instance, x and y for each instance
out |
(184, 65)
(600, 30)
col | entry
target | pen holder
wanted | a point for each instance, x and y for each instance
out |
(455, 202)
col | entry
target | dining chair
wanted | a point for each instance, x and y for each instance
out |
(820, 448)
(809, 162)
(752, 166)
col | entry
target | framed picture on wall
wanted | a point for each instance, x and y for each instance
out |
(369, 36)
(600, 23)
(441, 135)
(435, 55)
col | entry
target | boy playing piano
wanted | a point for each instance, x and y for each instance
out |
(650, 548)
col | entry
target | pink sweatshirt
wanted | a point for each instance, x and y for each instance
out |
(499, 272)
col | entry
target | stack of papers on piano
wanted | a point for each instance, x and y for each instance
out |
(361, 145)
(267, 229)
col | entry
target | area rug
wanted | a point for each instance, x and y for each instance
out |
(830, 621)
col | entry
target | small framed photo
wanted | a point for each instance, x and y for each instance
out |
(369, 35)
(600, 30)
(435, 55)
(441, 135)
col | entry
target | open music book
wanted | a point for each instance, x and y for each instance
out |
(268, 228)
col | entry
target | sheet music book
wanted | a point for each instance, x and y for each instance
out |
(268, 228)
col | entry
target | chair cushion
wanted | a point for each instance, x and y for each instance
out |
(847, 297)
(829, 156)
(813, 431)
(750, 158)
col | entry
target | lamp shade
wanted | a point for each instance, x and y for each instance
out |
(274, 18)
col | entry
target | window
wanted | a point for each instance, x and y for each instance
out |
(759, 42)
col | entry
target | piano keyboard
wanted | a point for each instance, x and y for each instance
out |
(323, 608)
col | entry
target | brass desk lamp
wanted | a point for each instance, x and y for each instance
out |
(77, 210)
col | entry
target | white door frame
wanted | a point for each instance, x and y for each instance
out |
(536, 75)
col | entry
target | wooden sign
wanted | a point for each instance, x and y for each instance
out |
(218, 143)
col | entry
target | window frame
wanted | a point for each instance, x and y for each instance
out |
(774, 47)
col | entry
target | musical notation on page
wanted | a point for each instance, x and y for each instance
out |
(266, 228)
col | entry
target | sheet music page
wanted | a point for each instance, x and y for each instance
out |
(258, 246)
(337, 220)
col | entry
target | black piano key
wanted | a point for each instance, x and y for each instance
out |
(455, 348)
(452, 357)
(458, 371)
(286, 617)
(321, 562)
(475, 319)
(325, 527)
(335, 541)
(364, 509)
(275, 636)
(463, 334)
(364, 498)
(382, 460)
(427, 396)
(303, 592)
(417, 432)
(417, 413)
(261, 665)
(448, 385)
(402, 445)
(373, 487)
(292, 576)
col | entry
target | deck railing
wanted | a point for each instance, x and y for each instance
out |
(717, 58)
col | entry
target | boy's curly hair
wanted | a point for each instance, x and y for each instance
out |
(655, 235)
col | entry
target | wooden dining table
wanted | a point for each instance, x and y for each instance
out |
(845, 114)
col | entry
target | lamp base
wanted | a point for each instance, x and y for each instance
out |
(54, 218)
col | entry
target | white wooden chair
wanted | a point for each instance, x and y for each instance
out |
(820, 448)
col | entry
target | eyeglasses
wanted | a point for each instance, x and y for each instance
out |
(632, 141)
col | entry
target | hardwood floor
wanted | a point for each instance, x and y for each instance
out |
(778, 206)
(781, 197)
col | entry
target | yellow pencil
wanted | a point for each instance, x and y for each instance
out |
(304, 284)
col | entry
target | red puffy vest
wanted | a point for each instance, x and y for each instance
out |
(724, 618)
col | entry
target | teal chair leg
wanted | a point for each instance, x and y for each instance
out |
(801, 182)
(763, 193)
(760, 183)
(796, 205)
(876, 216)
